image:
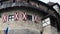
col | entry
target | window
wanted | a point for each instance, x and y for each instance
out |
(0, 16)
(13, 0)
(29, 17)
(41, 32)
(10, 17)
(46, 22)
(4, 18)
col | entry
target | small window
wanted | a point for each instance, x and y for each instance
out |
(46, 22)
(29, 17)
(13, 0)
(0, 16)
(10, 17)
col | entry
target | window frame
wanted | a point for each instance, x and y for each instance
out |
(10, 18)
(28, 17)
(46, 21)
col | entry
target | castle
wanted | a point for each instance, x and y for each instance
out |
(27, 17)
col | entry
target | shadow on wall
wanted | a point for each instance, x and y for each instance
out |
(23, 31)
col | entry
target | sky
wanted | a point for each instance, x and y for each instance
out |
(55, 1)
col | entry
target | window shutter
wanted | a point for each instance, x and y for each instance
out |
(16, 17)
(24, 16)
(36, 19)
(4, 18)
(32, 17)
